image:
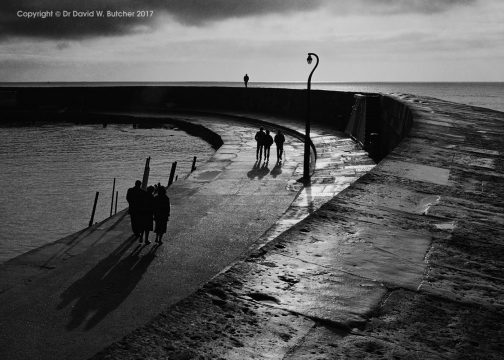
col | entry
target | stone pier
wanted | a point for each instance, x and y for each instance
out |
(399, 260)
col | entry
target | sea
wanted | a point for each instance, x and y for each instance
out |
(51, 173)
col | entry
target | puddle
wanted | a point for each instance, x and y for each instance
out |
(207, 175)
(446, 226)
(288, 279)
(224, 156)
(264, 298)
(293, 185)
(426, 203)
(417, 172)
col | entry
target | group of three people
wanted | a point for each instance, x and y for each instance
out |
(265, 140)
(153, 205)
(147, 206)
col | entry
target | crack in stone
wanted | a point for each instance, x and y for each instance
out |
(468, 272)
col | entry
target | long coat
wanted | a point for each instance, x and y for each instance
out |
(134, 197)
(161, 213)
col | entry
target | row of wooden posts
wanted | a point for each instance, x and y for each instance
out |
(145, 180)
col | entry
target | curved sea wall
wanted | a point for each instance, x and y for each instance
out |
(378, 122)
(35, 103)
(405, 262)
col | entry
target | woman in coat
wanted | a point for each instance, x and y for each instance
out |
(161, 213)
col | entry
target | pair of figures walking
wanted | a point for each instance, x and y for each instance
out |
(145, 208)
(265, 140)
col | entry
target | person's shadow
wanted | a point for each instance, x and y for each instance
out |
(107, 285)
(263, 171)
(256, 169)
(277, 170)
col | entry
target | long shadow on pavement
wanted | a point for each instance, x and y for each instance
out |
(277, 170)
(86, 233)
(258, 170)
(107, 285)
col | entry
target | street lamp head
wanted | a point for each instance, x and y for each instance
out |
(309, 59)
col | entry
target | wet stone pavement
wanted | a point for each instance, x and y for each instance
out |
(405, 263)
(70, 299)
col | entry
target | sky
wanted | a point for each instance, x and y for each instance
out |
(221, 40)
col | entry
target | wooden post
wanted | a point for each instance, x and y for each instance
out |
(112, 202)
(145, 179)
(94, 209)
(117, 195)
(193, 164)
(172, 173)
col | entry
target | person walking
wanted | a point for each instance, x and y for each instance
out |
(246, 80)
(161, 213)
(279, 142)
(268, 141)
(259, 138)
(147, 213)
(134, 197)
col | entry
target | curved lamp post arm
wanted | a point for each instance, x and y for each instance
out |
(309, 60)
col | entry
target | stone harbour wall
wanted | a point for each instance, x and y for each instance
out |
(404, 263)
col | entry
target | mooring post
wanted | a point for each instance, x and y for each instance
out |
(94, 208)
(117, 195)
(112, 201)
(172, 173)
(145, 179)
(193, 164)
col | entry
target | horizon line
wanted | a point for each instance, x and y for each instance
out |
(251, 82)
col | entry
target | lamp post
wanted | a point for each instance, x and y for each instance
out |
(306, 167)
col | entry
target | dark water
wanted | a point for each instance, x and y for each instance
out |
(49, 175)
(483, 94)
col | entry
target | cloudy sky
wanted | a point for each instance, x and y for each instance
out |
(220, 40)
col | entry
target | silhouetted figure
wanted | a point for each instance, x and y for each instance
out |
(246, 80)
(268, 141)
(161, 213)
(147, 213)
(134, 197)
(260, 137)
(279, 141)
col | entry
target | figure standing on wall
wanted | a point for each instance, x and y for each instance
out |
(134, 196)
(259, 138)
(279, 142)
(246, 80)
(268, 141)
